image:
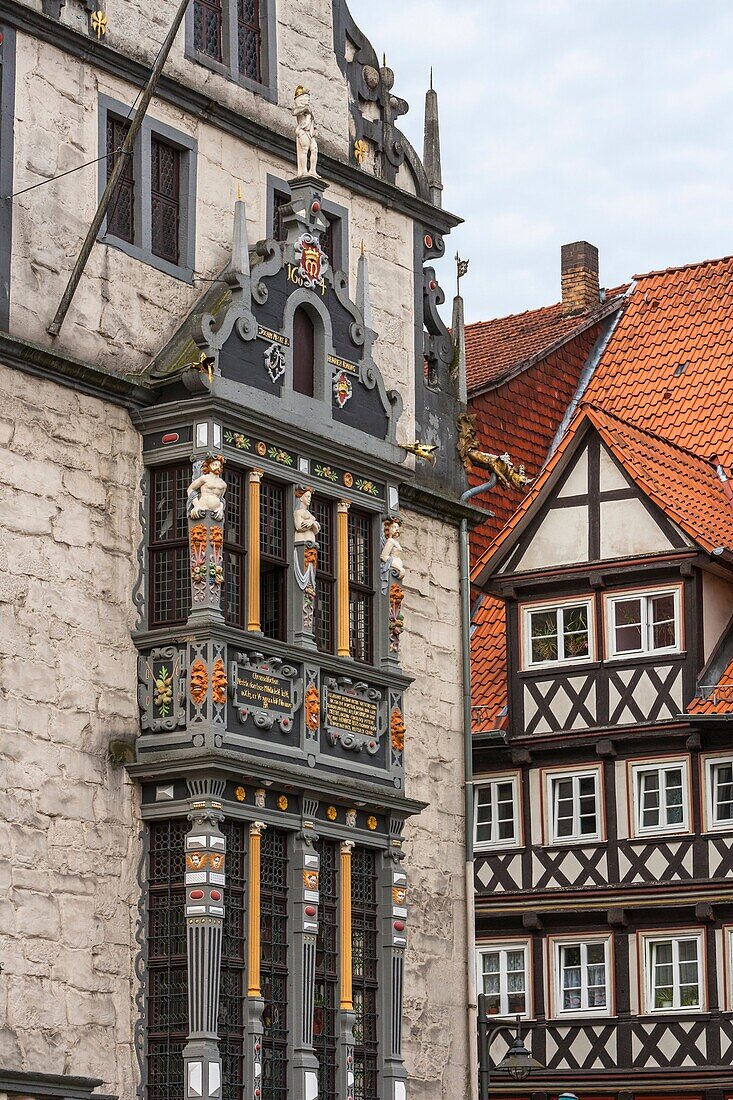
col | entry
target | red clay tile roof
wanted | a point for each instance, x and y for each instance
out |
(719, 700)
(668, 367)
(496, 348)
(542, 393)
(488, 665)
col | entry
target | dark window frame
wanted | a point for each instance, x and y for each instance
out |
(235, 552)
(141, 247)
(360, 591)
(326, 1006)
(337, 248)
(324, 509)
(227, 64)
(365, 972)
(274, 960)
(275, 564)
(173, 549)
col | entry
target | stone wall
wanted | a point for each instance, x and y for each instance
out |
(435, 981)
(69, 823)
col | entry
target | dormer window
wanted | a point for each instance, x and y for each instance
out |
(643, 622)
(557, 633)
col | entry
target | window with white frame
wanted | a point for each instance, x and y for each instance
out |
(502, 976)
(495, 813)
(574, 806)
(560, 634)
(661, 797)
(643, 622)
(720, 793)
(581, 976)
(673, 967)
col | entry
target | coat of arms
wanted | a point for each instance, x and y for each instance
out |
(275, 361)
(342, 388)
(313, 260)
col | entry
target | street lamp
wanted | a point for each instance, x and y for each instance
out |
(517, 1062)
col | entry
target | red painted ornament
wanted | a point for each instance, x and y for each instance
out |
(215, 895)
(310, 910)
(170, 437)
(196, 895)
(428, 241)
(315, 206)
(399, 926)
(432, 284)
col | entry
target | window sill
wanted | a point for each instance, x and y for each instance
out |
(589, 842)
(646, 658)
(658, 834)
(484, 846)
(560, 666)
(259, 88)
(184, 274)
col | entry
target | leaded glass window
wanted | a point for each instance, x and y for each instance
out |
(165, 199)
(365, 972)
(169, 593)
(361, 591)
(273, 568)
(234, 548)
(325, 1011)
(274, 962)
(207, 28)
(325, 576)
(121, 210)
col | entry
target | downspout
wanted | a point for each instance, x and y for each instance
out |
(465, 584)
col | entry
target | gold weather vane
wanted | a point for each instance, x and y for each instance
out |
(461, 270)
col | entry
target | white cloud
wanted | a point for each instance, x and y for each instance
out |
(569, 119)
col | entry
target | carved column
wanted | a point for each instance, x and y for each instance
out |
(343, 648)
(206, 550)
(253, 551)
(205, 855)
(345, 1049)
(393, 912)
(305, 555)
(255, 1004)
(305, 895)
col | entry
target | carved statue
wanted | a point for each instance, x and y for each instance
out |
(305, 133)
(391, 556)
(306, 524)
(210, 487)
(507, 474)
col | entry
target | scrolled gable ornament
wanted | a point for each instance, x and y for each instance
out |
(312, 259)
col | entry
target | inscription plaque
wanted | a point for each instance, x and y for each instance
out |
(263, 691)
(353, 715)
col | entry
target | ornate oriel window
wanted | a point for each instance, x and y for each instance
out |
(274, 962)
(325, 576)
(169, 594)
(273, 560)
(326, 984)
(365, 973)
(361, 589)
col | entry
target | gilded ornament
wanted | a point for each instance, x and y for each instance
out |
(240, 794)
(282, 802)
(399, 895)
(360, 151)
(199, 681)
(99, 23)
(261, 449)
(164, 691)
(397, 730)
(310, 879)
(219, 682)
(312, 708)
(371, 822)
(331, 813)
(348, 480)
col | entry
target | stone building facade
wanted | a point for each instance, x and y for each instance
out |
(175, 683)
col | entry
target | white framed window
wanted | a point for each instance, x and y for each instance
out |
(673, 968)
(496, 813)
(643, 622)
(503, 976)
(556, 634)
(661, 797)
(574, 806)
(719, 789)
(582, 977)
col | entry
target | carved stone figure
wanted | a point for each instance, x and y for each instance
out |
(305, 133)
(306, 524)
(391, 556)
(206, 492)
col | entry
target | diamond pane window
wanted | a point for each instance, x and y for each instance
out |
(165, 198)
(365, 970)
(169, 593)
(325, 1012)
(557, 634)
(325, 576)
(121, 211)
(207, 25)
(274, 962)
(234, 548)
(361, 591)
(249, 39)
(273, 571)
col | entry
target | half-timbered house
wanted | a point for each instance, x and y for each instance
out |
(603, 770)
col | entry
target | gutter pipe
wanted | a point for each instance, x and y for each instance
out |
(465, 590)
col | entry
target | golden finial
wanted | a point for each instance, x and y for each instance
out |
(362, 246)
(239, 192)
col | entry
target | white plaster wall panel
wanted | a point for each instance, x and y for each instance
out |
(610, 476)
(627, 530)
(577, 480)
(435, 969)
(561, 539)
(634, 977)
(717, 608)
(622, 799)
(124, 311)
(68, 521)
(535, 805)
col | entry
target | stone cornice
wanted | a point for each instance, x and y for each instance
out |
(427, 502)
(201, 106)
(65, 371)
(17, 1082)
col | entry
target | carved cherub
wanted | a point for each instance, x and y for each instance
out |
(391, 556)
(305, 133)
(306, 524)
(210, 487)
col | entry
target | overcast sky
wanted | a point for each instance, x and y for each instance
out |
(564, 120)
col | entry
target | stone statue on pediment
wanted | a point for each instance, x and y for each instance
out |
(305, 133)
(306, 524)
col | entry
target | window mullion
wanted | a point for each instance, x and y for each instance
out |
(560, 635)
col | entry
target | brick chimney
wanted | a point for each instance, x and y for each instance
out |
(579, 268)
